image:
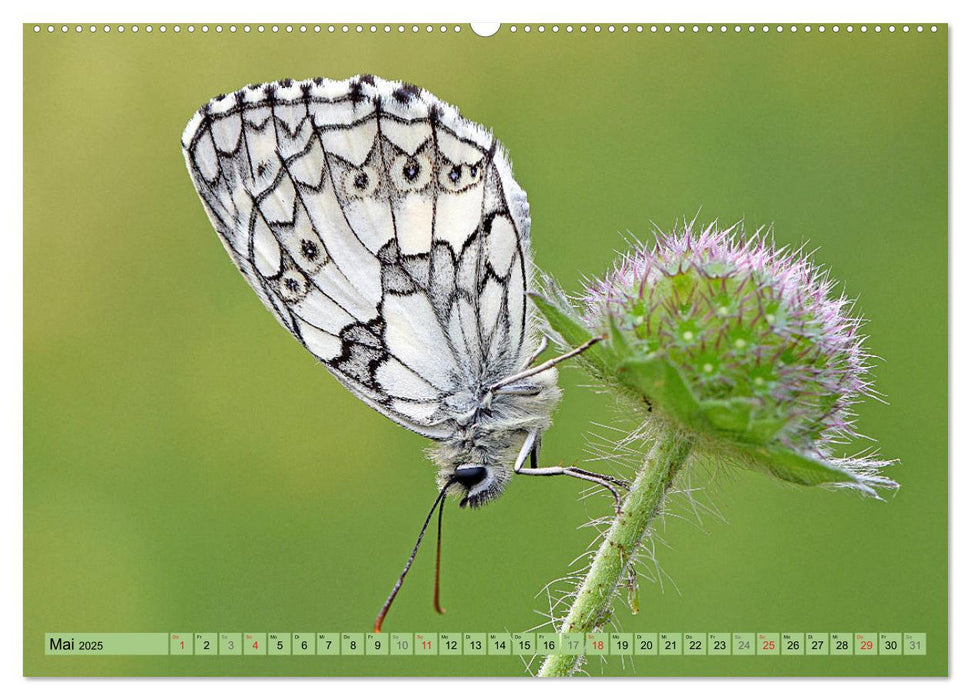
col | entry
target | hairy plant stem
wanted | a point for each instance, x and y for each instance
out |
(593, 603)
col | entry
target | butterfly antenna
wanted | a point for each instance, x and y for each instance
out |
(397, 585)
(438, 562)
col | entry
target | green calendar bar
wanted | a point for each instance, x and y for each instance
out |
(376, 646)
(106, 644)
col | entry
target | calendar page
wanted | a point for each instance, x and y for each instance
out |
(308, 306)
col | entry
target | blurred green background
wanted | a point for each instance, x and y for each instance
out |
(188, 467)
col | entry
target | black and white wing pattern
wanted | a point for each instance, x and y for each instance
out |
(381, 228)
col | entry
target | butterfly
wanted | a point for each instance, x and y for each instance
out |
(386, 233)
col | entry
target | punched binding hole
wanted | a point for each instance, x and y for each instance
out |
(485, 29)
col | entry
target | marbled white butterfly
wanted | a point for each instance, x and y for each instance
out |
(386, 233)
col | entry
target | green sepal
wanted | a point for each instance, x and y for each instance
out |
(731, 415)
(661, 384)
(735, 417)
(575, 334)
(763, 430)
(793, 467)
(618, 342)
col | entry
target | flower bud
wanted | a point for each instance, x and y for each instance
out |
(742, 344)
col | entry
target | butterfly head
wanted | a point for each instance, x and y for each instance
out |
(477, 484)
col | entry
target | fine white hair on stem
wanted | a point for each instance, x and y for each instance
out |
(623, 450)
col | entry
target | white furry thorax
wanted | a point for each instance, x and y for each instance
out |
(494, 437)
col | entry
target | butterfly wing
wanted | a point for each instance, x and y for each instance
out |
(381, 229)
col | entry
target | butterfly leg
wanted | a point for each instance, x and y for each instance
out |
(530, 449)
(512, 379)
(543, 344)
(608, 482)
(534, 454)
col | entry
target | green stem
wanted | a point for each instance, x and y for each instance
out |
(592, 606)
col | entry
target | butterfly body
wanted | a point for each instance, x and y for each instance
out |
(386, 233)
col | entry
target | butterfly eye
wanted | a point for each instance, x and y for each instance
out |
(470, 476)
(360, 182)
(411, 172)
(293, 286)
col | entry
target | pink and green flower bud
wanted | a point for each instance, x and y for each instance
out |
(745, 346)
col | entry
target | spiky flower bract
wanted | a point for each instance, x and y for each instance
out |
(745, 345)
